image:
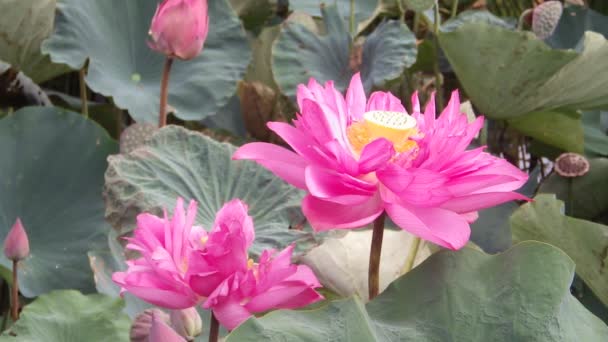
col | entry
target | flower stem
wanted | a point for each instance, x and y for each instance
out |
(351, 18)
(374, 257)
(454, 8)
(438, 76)
(214, 328)
(15, 294)
(570, 205)
(411, 256)
(164, 92)
(83, 92)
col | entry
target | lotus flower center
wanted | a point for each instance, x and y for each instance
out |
(396, 127)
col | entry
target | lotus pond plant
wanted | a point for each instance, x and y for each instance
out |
(252, 170)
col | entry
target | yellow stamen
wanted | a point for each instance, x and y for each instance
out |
(204, 239)
(249, 264)
(394, 126)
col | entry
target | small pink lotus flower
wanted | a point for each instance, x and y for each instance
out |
(179, 28)
(273, 283)
(16, 244)
(159, 276)
(182, 266)
(359, 157)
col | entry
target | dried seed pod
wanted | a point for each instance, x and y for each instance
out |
(571, 165)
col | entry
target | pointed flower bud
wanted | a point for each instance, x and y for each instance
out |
(179, 28)
(16, 244)
(140, 329)
(161, 332)
(187, 322)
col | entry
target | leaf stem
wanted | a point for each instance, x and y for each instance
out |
(351, 19)
(164, 92)
(570, 205)
(438, 76)
(411, 256)
(454, 8)
(214, 329)
(15, 294)
(83, 91)
(373, 280)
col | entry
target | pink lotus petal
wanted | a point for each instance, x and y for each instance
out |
(282, 162)
(336, 187)
(477, 202)
(384, 101)
(324, 215)
(355, 98)
(439, 226)
(376, 155)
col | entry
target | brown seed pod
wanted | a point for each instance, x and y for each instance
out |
(571, 165)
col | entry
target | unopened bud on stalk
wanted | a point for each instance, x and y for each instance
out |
(16, 244)
(187, 322)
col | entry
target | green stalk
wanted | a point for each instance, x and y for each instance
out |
(373, 280)
(454, 8)
(351, 20)
(164, 93)
(411, 256)
(83, 92)
(438, 78)
(214, 329)
(15, 294)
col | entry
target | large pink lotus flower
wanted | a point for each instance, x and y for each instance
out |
(358, 158)
(273, 283)
(179, 28)
(159, 276)
(181, 265)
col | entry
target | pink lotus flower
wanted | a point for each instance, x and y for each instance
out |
(160, 275)
(16, 244)
(274, 283)
(182, 265)
(358, 158)
(179, 28)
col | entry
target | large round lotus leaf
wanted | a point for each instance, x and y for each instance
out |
(475, 16)
(522, 294)
(51, 176)
(177, 162)
(69, 316)
(595, 126)
(363, 8)
(113, 35)
(585, 242)
(589, 195)
(510, 73)
(549, 127)
(24, 25)
(299, 54)
(572, 26)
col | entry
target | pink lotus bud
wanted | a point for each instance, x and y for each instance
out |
(179, 28)
(161, 332)
(16, 244)
(140, 329)
(187, 322)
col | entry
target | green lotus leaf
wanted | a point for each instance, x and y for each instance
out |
(177, 162)
(584, 241)
(522, 294)
(52, 175)
(121, 65)
(69, 316)
(511, 73)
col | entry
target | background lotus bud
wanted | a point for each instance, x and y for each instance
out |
(161, 332)
(16, 244)
(187, 322)
(179, 28)
(140, 329)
